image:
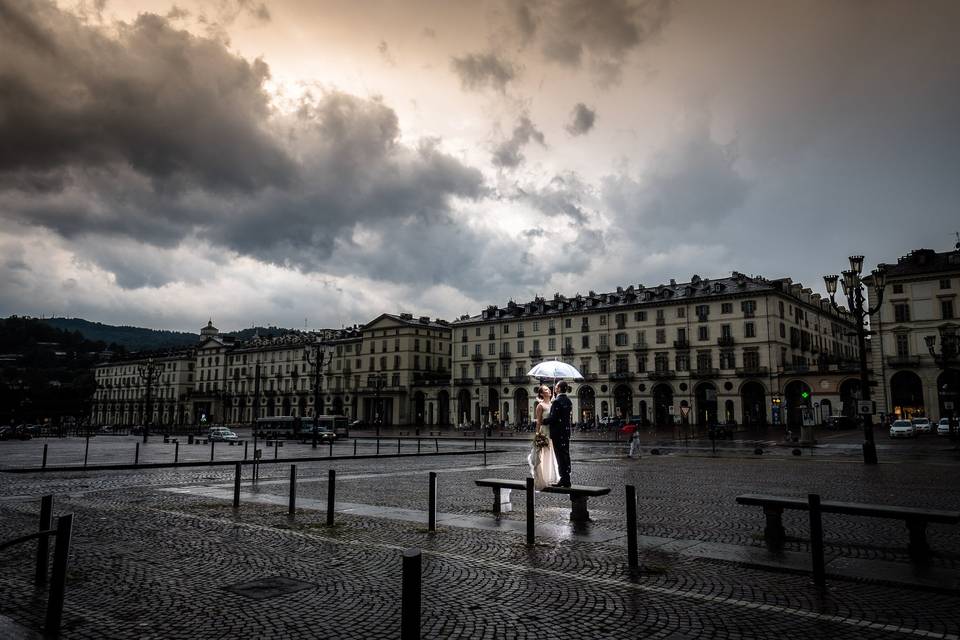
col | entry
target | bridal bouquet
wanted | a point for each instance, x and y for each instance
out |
(540, 440)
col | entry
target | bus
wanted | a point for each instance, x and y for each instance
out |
(292, 427)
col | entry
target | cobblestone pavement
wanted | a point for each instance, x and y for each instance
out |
(148, 563)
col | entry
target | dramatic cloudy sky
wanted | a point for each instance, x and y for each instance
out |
(285, 161)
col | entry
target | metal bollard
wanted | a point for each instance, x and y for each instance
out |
(436, 444)
(246, 443)
(46, 509)
(354, 448)
(530, 523)
(816, 540)
(432, 506)
(410, 607)
(43, 465)
(176, 452)
(236, 487)
(378, 446)
(485, 449)
(58, 578)
(293, 489)
(136, 453)
(632, 558)
(398, 446)
(331, 495)
(86, 450)
(276, 444)
(211, 450)
(418, 446)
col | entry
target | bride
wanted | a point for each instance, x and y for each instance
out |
(543, 462)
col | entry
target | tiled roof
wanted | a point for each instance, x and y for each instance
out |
(922, 261)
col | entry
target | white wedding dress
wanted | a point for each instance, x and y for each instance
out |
(543, 462)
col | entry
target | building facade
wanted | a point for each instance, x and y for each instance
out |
(919, 302)
(395, 367)
(739, 349)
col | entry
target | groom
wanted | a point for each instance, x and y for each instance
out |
(559, 423)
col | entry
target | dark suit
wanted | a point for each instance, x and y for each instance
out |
(559, 423)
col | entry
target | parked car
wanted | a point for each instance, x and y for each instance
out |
(324, 435)
(222, 434)
(902, 429)
(943, 428)
(19, 432)
(840, 422)
(922, 425)
(720, 431)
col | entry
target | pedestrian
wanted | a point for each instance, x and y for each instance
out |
(634, 444)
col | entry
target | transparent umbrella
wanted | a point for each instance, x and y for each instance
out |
(556, 370)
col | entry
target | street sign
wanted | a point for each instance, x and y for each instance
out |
(866, 408)
(684, 411)
(670, 410)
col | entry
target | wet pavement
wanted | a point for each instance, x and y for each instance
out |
(161, 553)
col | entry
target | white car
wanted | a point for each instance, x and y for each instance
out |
(902, 429)
(943, 429)
(222, 434)
(922, 425)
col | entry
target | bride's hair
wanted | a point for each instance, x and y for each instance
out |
(541, 389)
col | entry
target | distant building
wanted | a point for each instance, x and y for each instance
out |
(225, 381)
(743, 349)
(920, 301)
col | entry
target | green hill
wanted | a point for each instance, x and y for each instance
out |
(133, 338)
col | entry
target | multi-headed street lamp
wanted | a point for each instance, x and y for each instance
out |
(317, 360)
(378, 381)
(147, 373)
(949, 354)
(853, 290)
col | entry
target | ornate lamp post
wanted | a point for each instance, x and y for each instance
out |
(853, 290)
(147, 372)
(949, 354)
(378, 381)
(318, 359)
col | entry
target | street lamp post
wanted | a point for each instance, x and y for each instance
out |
(147, 372)
(255, 409)
(853, 290)
(377, 381)
(317, 361)
(949, 352)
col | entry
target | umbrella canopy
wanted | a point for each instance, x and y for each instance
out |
(556, 370)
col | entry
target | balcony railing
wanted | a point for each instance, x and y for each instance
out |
(903, 362)
(520, 334)
(566, 351)
(490, 381)
(725, 341)
(661, 322)
(681, 344)
(661, 374)
(536, 353)
(584, 327)
(704, 373)
(518, 379)
(552, 331)
(640, 346)
(505, 355)
(463, 382)
(752, 371)
(603, 348)
(796, 368)
(476, 357)
(590, 377)
(621, 375)
(491, 336)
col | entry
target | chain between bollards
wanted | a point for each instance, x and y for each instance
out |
(432, 506)
(816, 540)
(530, 521)
(411, 592)
(293, 489)
(331, 495)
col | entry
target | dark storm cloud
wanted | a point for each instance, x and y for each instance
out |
(508, 154)
(565, 195)
(478, 71)
(602, 32)
(582, 120)
(691, 182)
(174, 107)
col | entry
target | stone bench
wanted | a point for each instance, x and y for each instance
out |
(436, 433)
(578, 495)
(915, 519)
